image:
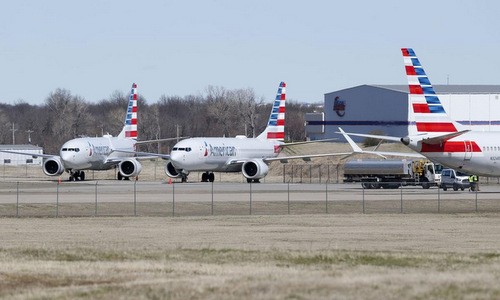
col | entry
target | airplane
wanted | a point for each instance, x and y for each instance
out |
(98, 153)
(250, 156)
(435, 135)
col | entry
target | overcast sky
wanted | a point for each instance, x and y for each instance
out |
(94, 48)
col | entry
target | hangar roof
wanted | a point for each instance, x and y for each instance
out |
(441, 89)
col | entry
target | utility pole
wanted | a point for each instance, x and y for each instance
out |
(177, 127)
(13, 133)
(29, 131)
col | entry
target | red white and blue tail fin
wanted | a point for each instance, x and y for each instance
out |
(129, 130)
(426, 113)
(275, 129)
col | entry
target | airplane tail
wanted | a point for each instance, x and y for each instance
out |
(129, 130)
(426, 114)
(275, 129)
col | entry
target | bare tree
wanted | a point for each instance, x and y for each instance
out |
(68, 115)
(220, 107)
(247, 108)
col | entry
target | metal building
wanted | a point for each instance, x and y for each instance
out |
(19, 159)
(383, 109)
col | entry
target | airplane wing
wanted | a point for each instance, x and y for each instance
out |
(160, 140)
(285, 159)
(143, 155)
(30, 154)
(356, 149)
(436, 140)
(307, 142)
(380, 137)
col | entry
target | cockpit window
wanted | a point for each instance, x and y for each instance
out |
(188, 149)
(182, 149)
(71, 149)
(174, 149)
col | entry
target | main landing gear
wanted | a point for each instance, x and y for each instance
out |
(207, 176)
(77, 176)
(249, 180)
(119, 176)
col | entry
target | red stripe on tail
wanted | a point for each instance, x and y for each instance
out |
(421, 108)
(275, 135)
(435, 127)
(416, 89)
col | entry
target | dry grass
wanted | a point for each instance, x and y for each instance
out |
(269, 257)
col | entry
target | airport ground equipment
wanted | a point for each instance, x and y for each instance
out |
(374, 174)
(454, 179)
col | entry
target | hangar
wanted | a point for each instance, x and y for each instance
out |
(383, 109)
(19, 159)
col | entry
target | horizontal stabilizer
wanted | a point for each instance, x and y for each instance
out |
(436, 140)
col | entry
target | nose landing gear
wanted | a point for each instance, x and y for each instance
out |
(77, 176)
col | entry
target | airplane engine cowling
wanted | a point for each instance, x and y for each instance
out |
(130, 168)
(171, 171)
(254, 169)
(53, 166)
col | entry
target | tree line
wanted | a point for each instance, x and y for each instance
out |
(216, 112)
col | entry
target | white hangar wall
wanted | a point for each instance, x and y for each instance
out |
(11, 159)
(384, 109)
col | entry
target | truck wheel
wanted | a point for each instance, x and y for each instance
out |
(444, 187)
(455, 187)
(365, 185)
(426, 185)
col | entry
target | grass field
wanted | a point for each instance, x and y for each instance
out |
(351, 256)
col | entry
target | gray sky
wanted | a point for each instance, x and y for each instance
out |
(94, 48)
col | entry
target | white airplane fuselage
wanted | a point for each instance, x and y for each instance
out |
(473, 152)
(94, 153)
(220, 154)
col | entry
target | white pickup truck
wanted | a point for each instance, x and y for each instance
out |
(454, 179)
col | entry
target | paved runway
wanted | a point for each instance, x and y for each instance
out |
(110, 197)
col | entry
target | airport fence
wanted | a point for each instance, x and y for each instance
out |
(136, 198)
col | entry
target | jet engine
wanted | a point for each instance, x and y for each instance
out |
(53, 166)
(255, 169)
(130, 167)
(171, 171)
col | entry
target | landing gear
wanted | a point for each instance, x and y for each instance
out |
(249, 180)
(207, 176)
(77, 176)
(119, 176)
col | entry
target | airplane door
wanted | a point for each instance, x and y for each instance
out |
(468, 150)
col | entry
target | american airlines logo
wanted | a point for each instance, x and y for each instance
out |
(101, 150)
(339, 106)
(222, 150)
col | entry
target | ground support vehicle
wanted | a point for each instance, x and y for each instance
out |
(394, 173)
(454, 179)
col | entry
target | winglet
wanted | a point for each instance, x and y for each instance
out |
(353, 145)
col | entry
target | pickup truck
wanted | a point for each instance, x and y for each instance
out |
(454, 179)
